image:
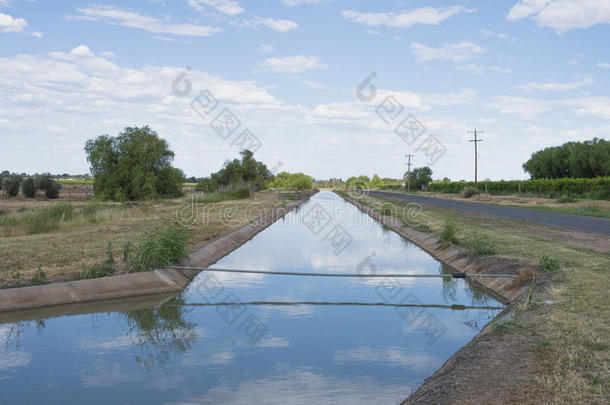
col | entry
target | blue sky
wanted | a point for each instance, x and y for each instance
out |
(530, 73)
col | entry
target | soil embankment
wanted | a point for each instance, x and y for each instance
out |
(160, 281)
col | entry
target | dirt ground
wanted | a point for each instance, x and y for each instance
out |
(83, 241)
(522, 201)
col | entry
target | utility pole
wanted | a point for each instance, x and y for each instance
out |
(409, 172)
(475, 140)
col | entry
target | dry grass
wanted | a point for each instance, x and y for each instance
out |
(83, 240)
(572, 355)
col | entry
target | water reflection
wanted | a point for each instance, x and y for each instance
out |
(158, 332)
(325, 340)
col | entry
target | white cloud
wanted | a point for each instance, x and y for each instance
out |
(292, 3)
(126, 18)
(530, 109)
(604, 65)
(313, 85)
(480, 69)
(555, 86)
(562, 15)
(78, 94)
(228, 7)
(424, 15)
(265, 48)
(598, 107)
(4, 3)
(278, 25)
(392, 355)
(10, 24)
(293, 64)
(465, 96)
(490, 33)
(453, 52)
(525, 108)
(525, 8)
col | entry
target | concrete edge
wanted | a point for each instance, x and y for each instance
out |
(159, 281)
(458, 261)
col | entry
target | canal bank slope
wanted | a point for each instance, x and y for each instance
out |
(491, 368)
(159, 281)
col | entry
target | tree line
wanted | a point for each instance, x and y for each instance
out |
(11, 183)
(137, 165)
(586, 159)
(419, 178)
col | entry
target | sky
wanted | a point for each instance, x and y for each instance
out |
(331, 88)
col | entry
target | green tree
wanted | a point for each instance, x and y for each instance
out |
(290, 181)
(420, 177)
(376, 181)
(46, 183)
(586, 159)
(252, 173)
(11, 183)
(28, 187)
(135, 165)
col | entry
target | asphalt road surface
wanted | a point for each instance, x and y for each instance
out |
(575, 222)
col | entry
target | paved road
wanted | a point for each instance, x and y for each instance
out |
(575, 222)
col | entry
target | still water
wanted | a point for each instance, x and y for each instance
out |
(252, 338)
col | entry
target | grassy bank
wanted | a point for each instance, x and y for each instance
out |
(569, 323)
(68, 238)
(563, 205)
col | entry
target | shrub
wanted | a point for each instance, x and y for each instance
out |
(161, 247)
(289, 181)
(598, 187)
(40, 278)
(11, 184)
(207, 185)
(469, 192)
(48, 185)
(479, 246)
(524, 276)
(102, 269)
(28, 188)
(549, 264)
(448, 232)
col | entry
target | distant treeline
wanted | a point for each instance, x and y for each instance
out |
(586, 159)
(11, 183)
(598, 187)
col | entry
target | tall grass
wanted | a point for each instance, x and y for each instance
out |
(102, 269)
(49, 219)
(220, 196)
(161, 247)
(448, 232)
(479, 246)
(39, 221)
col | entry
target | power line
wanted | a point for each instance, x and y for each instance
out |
(409, 172)
(475, 140)
(323, 303)
(298, 273)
